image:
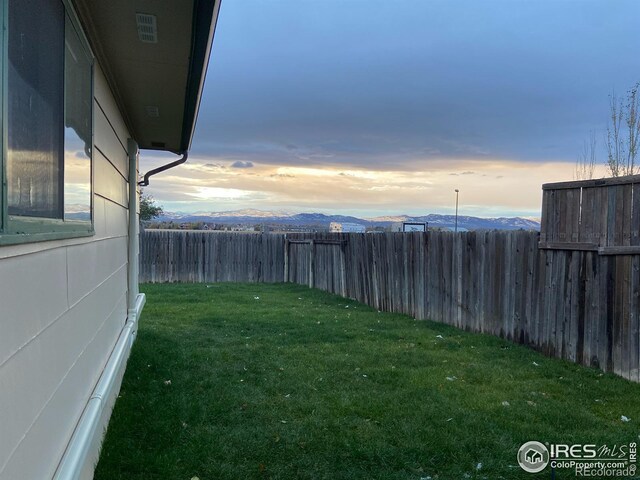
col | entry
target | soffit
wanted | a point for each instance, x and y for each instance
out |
(157, 75)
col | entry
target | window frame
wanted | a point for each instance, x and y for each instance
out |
(15, 229)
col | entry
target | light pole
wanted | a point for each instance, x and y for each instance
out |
(457, 193)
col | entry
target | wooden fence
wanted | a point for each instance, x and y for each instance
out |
(601, 215)
(191, 256)
(573, 304)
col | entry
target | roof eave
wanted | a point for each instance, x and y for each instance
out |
(204, 26)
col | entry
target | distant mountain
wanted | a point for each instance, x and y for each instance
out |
(248, 212)
(466, 222)
(252, 216)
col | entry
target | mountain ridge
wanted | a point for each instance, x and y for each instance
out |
(254, 216)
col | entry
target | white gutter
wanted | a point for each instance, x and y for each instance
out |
(87, 437)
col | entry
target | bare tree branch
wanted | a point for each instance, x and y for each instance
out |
(623, 134)
(586, 162)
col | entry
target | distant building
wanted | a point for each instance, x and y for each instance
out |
(409, 227)
(414, 226)
(337, 227)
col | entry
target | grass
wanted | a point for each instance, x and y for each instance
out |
(237, 381)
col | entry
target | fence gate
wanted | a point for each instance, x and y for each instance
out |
(320, 263)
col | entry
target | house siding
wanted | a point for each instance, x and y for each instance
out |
(63, 308)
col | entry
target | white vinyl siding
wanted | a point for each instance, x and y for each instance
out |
(109, 183)
(109, 144)
(62, 312)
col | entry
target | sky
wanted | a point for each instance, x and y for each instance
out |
(377, 107)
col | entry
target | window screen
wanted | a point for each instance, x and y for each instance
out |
(35, 127)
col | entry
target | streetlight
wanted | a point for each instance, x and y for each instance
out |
(457, 193)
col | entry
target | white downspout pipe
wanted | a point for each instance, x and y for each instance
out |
(85, 442)
(132, 148)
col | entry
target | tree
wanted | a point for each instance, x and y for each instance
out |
(148, 208)
(586, 163)
(623, 134)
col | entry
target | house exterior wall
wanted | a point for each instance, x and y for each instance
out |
(63, 304)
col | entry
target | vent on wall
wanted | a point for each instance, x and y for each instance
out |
(152, 111)
(147, 27)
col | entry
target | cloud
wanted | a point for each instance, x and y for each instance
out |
(402, 97)
(282, 175)
(313, 156)
(501, 191)
(241, 164)
(214, 193)
(453, 79)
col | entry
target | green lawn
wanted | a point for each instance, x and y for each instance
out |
(239, 381)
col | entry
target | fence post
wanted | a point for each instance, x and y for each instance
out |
(312, 257)
(286, 259)
(343, 269)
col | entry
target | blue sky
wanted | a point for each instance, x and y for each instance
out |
(379, 107)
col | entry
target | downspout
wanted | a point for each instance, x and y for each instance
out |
(145, 181)
(132, 148)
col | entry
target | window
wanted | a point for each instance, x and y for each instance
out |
(47, 123)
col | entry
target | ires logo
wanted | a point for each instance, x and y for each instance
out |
(560, 451)
(589, 451)
(588, 459)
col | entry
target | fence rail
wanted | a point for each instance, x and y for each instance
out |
(573, 304)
